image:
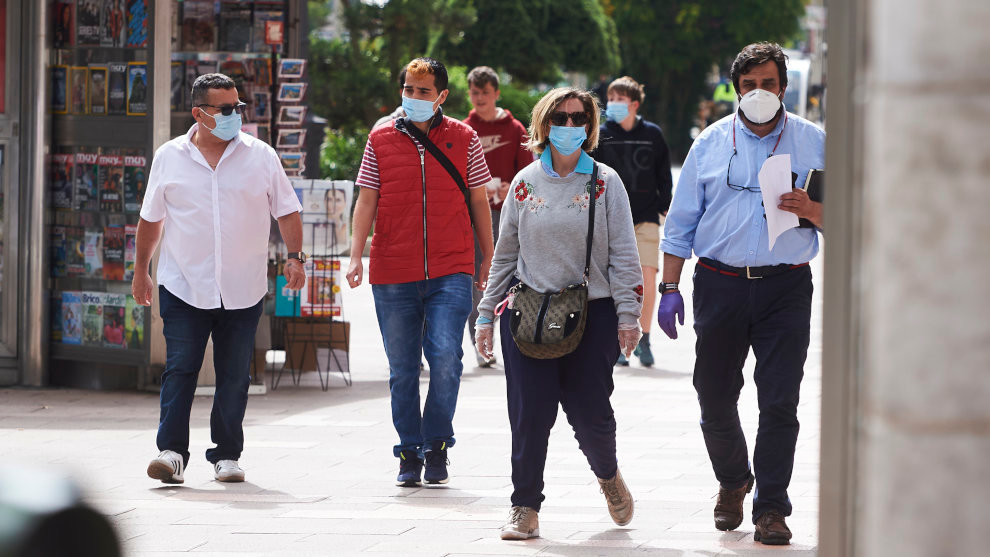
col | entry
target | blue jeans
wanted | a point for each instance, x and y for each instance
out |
(187, 329)
(424, 318)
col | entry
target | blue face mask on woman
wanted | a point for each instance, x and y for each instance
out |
(417, 110)
(227, 126)
(567, 139)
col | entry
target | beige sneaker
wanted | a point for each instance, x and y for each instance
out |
(524, 523)
(620, 501)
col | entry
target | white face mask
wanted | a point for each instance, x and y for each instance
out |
(759, 106)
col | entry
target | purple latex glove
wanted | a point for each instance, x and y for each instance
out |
(671, 304)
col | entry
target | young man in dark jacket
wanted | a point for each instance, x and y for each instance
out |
(635, 148)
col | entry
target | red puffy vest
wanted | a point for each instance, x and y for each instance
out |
(423, 228)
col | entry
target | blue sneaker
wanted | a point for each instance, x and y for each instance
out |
(410, 470)
(436, 464)
(643, 351)
(622, 361)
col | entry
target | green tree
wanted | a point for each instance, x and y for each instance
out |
(671, 45)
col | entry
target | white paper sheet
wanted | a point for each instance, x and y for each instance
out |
(775, 181)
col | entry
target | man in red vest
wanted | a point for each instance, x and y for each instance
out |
(422, 184)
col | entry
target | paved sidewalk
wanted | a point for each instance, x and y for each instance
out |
(320, 469)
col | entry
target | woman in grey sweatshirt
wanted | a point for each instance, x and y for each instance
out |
(541, 242)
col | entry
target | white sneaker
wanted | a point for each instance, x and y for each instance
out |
(228, 471)
(167, 467)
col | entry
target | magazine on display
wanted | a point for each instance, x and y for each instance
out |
(113, 320)
(134, 182)
(55, 317)
(137, 88)
(261, 17)
(134, 323)
(60, 90)
(235, 28)
(93, 252)
(117, 88)
(111, 180)
(64, 23)
(85, 196)
(261, 110)
(114, 22)
(113, 253)
(321, 297)
(92, 318)
(71, 318)
(198, 26)
(88, 22)
(261, 71)
(97, 89)
(137, 23)
(61, 177)
(130, 250)
(57, 250)
(78, 88)
(75, 248)
(326, 215)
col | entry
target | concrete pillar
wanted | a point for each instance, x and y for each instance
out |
(906, 376)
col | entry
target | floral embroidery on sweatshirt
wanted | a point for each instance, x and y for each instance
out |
(580, 200)
(525, 194)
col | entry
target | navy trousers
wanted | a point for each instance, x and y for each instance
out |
(580, 382)
(773, 316)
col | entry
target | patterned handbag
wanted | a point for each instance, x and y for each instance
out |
(547, 325)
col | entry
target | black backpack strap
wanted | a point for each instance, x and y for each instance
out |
(424, 140)
(592, 189)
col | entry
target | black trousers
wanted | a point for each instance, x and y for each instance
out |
(773, 316)
(580, 382)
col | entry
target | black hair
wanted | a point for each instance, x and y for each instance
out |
(402, 78)
(481, 76)
(430, 66)
(756, 54)
(201, 87)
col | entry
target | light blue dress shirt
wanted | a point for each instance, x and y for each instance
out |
(718, 222)
(584, 166)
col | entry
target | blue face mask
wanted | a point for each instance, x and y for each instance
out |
(567, 139)
(227, 126)
(617, 111)
(417, 110)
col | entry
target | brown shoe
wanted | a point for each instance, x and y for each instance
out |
(771, 529)
(620, 501)
(729, 507)
(523, 524)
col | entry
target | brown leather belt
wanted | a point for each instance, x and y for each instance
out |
(747, 272)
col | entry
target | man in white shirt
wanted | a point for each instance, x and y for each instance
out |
(215, 187)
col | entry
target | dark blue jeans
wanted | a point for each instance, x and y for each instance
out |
(186, 330)
(424, 318)
(773, 316)
(581, 383)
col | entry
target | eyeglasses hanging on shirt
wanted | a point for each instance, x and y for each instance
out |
(728, 170)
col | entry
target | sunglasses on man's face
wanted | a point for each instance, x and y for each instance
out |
(559, 118)
(226, 109)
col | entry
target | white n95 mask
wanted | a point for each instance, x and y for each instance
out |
(759, 106)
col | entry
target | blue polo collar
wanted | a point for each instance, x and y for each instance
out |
(584, 166)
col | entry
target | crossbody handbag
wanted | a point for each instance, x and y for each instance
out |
(547, 325)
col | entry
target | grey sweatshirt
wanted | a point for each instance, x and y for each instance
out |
(542, 240)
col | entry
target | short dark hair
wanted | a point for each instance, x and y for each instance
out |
(422, 66)
(402, 78)
(628, 87)
(201, 87)
(481, 76)
(756, 54)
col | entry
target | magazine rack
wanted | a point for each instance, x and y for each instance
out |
(315, 339)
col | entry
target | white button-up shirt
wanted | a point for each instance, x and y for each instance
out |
(215, 243)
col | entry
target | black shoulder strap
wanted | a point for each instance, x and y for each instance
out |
(424, 139)
(592, 189)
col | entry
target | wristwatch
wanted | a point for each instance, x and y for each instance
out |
(668, 287)
(298, 256)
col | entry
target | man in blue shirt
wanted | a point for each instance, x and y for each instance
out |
(745, 294)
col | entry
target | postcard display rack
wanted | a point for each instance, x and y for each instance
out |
(310, 322)
(101, 103)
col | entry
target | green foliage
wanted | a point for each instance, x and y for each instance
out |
(458, 103)
(340, 156)
(671, 45)
(349, 88)
(519, 100)
(534, 39)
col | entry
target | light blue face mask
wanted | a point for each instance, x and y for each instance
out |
(417, 110)
(567, 139)
(227, 126)
(616, 111)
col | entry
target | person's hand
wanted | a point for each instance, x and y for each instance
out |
(295, 276)
(484, 339)
(483, 270)
(797, 202)
(142, 288)
(628, 339)
(355, 272)
(671, 304)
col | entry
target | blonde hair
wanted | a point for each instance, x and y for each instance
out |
(539, 127)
